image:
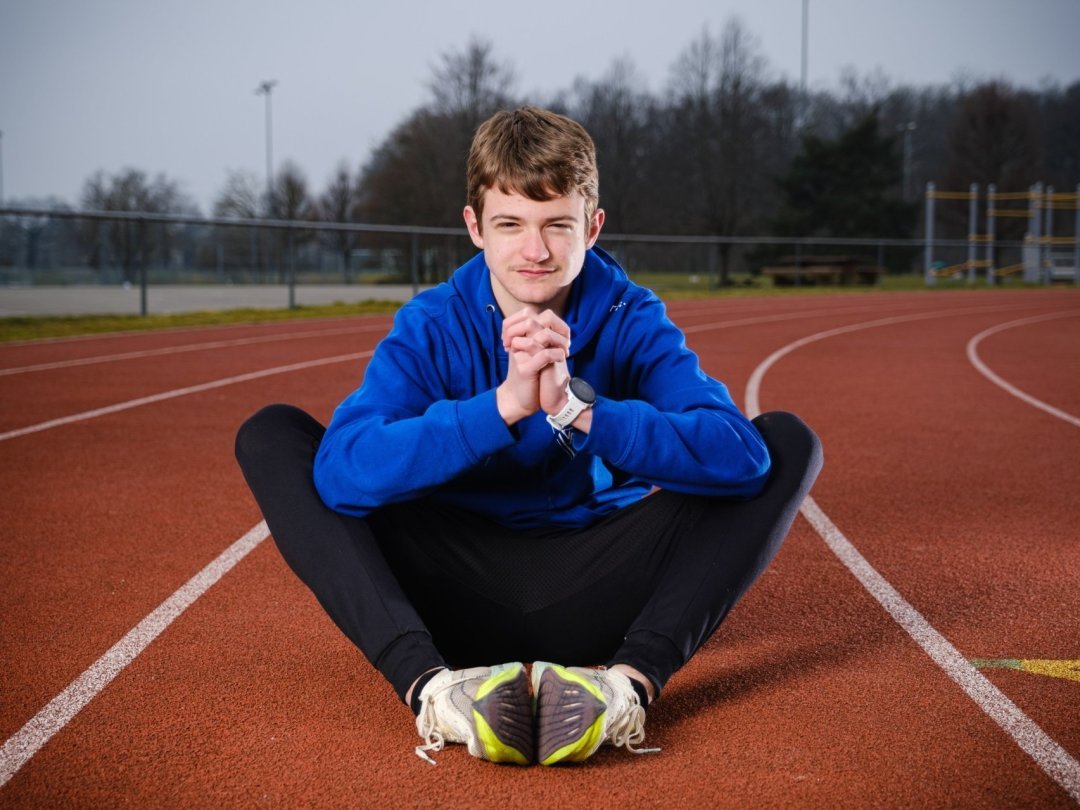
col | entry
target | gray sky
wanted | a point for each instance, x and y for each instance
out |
(169, 86)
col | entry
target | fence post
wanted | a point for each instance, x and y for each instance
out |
(1046, 255)
(415, 264)
(928, 236)
(973, 214)
(710, 266)
(143, 308)
(1032, 252)
(292, 270)
(991, 195)
(1076, 238)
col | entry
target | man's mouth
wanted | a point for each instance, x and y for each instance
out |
(535, 272)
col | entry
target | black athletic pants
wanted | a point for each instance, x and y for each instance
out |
(421, 584)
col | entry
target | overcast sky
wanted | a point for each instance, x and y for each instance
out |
(169, 86)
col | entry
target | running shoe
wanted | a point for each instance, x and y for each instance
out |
(579, 709)
(487, 708)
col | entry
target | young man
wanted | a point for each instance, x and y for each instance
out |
(535, 469)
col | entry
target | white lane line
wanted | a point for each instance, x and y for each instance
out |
(985, 370)
(193, 347)
(1058, 763)
(787, 316)
(180, 392)
(28, 740)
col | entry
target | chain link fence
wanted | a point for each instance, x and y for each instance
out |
(141, 251)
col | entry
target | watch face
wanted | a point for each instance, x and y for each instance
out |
(582, 390)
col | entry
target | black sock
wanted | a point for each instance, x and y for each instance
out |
(418, 687)
(642, 692)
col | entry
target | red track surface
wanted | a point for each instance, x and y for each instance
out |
(961, 495)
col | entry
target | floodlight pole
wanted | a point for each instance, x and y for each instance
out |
(265, 89)
(802, 82)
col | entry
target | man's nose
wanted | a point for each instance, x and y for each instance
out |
(534, 249)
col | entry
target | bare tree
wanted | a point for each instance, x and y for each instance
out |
(619, 114)
(470, 85)
(131, 244)
(340, 203)
(993, 138)
(240, 196)
(239, 199)
(416, 176)
(717, 86)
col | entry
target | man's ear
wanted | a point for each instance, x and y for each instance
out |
(473, 224)
(595, 224)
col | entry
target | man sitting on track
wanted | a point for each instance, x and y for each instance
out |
(487, 495)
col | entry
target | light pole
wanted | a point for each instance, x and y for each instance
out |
(265, 89)
(1, 167)
(802, 82)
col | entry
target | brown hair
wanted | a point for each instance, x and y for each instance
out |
(534, 152)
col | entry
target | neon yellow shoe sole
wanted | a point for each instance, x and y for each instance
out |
(503, 718)
(570, 714)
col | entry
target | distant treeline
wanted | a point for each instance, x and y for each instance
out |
(723, 148)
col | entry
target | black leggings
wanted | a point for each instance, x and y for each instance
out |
(423, 584)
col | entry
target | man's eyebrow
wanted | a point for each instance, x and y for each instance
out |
(516, 217)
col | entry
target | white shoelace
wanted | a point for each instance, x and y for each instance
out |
(629, 730)
(426, 725)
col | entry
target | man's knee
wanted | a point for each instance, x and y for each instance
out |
(274, 431)
(792, 445)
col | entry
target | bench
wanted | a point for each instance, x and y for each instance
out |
(840, 270)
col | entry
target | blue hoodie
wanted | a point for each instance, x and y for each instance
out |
(425, 424)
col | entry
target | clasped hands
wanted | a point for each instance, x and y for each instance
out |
(538, 344)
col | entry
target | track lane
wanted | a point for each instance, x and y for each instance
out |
(690, 696)
(969, 534)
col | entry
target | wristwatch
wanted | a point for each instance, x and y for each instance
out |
(579, 397)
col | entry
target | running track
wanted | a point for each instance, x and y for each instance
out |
(157, 652)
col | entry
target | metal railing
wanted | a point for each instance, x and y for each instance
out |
(66, 247)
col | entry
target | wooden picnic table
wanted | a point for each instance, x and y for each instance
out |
(841, 270)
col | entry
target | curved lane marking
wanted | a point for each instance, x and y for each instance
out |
(180, 392)
(59, 711)
(1055, 761)
(985, 370)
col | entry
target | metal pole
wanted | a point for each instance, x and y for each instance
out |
(292, 271)
(928, 236)
(266, 89)
(803, 100)
(143, 308)
(711, 266)
(1, 167)
(415, 250)
(973, 211)
(1076, 239)
(1046, 255)
(991, 194)
(1031, 240)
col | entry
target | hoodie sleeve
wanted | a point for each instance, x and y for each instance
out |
(669, 423)
(400, 435)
